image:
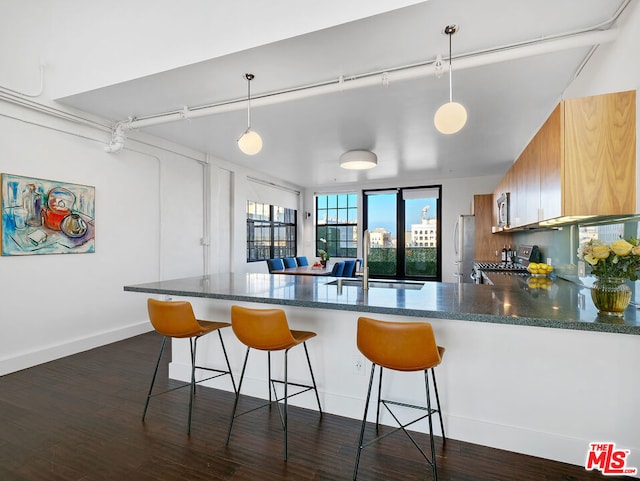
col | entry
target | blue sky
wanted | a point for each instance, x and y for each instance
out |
(382, 211)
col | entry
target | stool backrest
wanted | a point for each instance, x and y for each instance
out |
(265, 329)
(302, 261)
(173, 318)
(403, 346)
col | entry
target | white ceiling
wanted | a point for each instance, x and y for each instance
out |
(507, 101)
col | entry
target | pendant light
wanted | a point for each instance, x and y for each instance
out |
(452, 116)
(250, 141)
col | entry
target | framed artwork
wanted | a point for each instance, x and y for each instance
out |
(46, 217)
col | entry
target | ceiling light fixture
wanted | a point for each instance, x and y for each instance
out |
(452, 116)
(250, 141)
(358, 160)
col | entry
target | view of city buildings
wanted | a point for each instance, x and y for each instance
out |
(424, 234)
(381, 237)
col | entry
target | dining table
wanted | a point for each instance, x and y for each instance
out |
(305, 271)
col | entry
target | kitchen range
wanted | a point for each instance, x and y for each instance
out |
(513, 265)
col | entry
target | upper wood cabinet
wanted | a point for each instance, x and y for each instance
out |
(582, 162)
(550, 165)
(599, 168)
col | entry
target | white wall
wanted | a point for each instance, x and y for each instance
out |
(148, 225)
(149, 210)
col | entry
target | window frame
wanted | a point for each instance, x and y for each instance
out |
(336, 233)
(266, 224)
(400, 261)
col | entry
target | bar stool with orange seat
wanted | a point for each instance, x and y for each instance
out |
(400, 346)
(175, 319)
(268, 330)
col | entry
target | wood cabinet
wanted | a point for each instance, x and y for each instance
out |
(487, 245)
(550, 165)
(599, 168)
(582, 162)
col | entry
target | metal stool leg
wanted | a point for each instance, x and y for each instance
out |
(226, 358)
(433, 446)
(153, 379)
(379, 400)
(192, 390)
(313, 379)
(364, 421)
(435, 388)
(286, 397)
(270, 384)
(235, 402)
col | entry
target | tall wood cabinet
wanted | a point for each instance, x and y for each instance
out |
(582, 162)
(488, 247)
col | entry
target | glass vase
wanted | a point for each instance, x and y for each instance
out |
(611, 295)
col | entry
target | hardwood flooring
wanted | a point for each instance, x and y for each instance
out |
(79, 418)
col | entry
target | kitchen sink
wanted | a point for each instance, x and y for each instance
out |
(384, 284)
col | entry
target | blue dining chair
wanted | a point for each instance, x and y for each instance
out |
(337, 270)
(275, 265)
(302, 261)
(349, 268)
(290, 262)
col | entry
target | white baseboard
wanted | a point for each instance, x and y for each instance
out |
(49, 353)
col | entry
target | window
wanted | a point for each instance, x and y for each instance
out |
(405, 237)
(337, 224)
(271, 232)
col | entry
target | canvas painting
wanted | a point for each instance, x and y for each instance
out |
(46, 217)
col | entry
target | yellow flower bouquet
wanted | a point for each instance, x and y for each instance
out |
(620, 258)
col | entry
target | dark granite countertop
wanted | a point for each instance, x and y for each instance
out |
(511, 300)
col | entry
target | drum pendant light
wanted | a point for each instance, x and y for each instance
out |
(358, 160)
(250, 141)
(452, 116)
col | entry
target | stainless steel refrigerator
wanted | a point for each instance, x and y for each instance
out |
(465, 247)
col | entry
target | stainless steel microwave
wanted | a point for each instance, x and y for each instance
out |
(504, 207)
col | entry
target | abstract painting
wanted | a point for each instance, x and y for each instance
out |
(46, 216)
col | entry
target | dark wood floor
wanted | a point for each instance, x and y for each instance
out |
(78, 418)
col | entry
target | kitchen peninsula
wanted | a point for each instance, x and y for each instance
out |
(564, 305)
(520, 372)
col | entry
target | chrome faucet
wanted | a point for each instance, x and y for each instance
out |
(365, 260)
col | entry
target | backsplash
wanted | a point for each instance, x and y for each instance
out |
(554, 244)
(562, 246)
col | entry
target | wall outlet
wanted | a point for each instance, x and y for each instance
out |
(549, 261)
(358, 366)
